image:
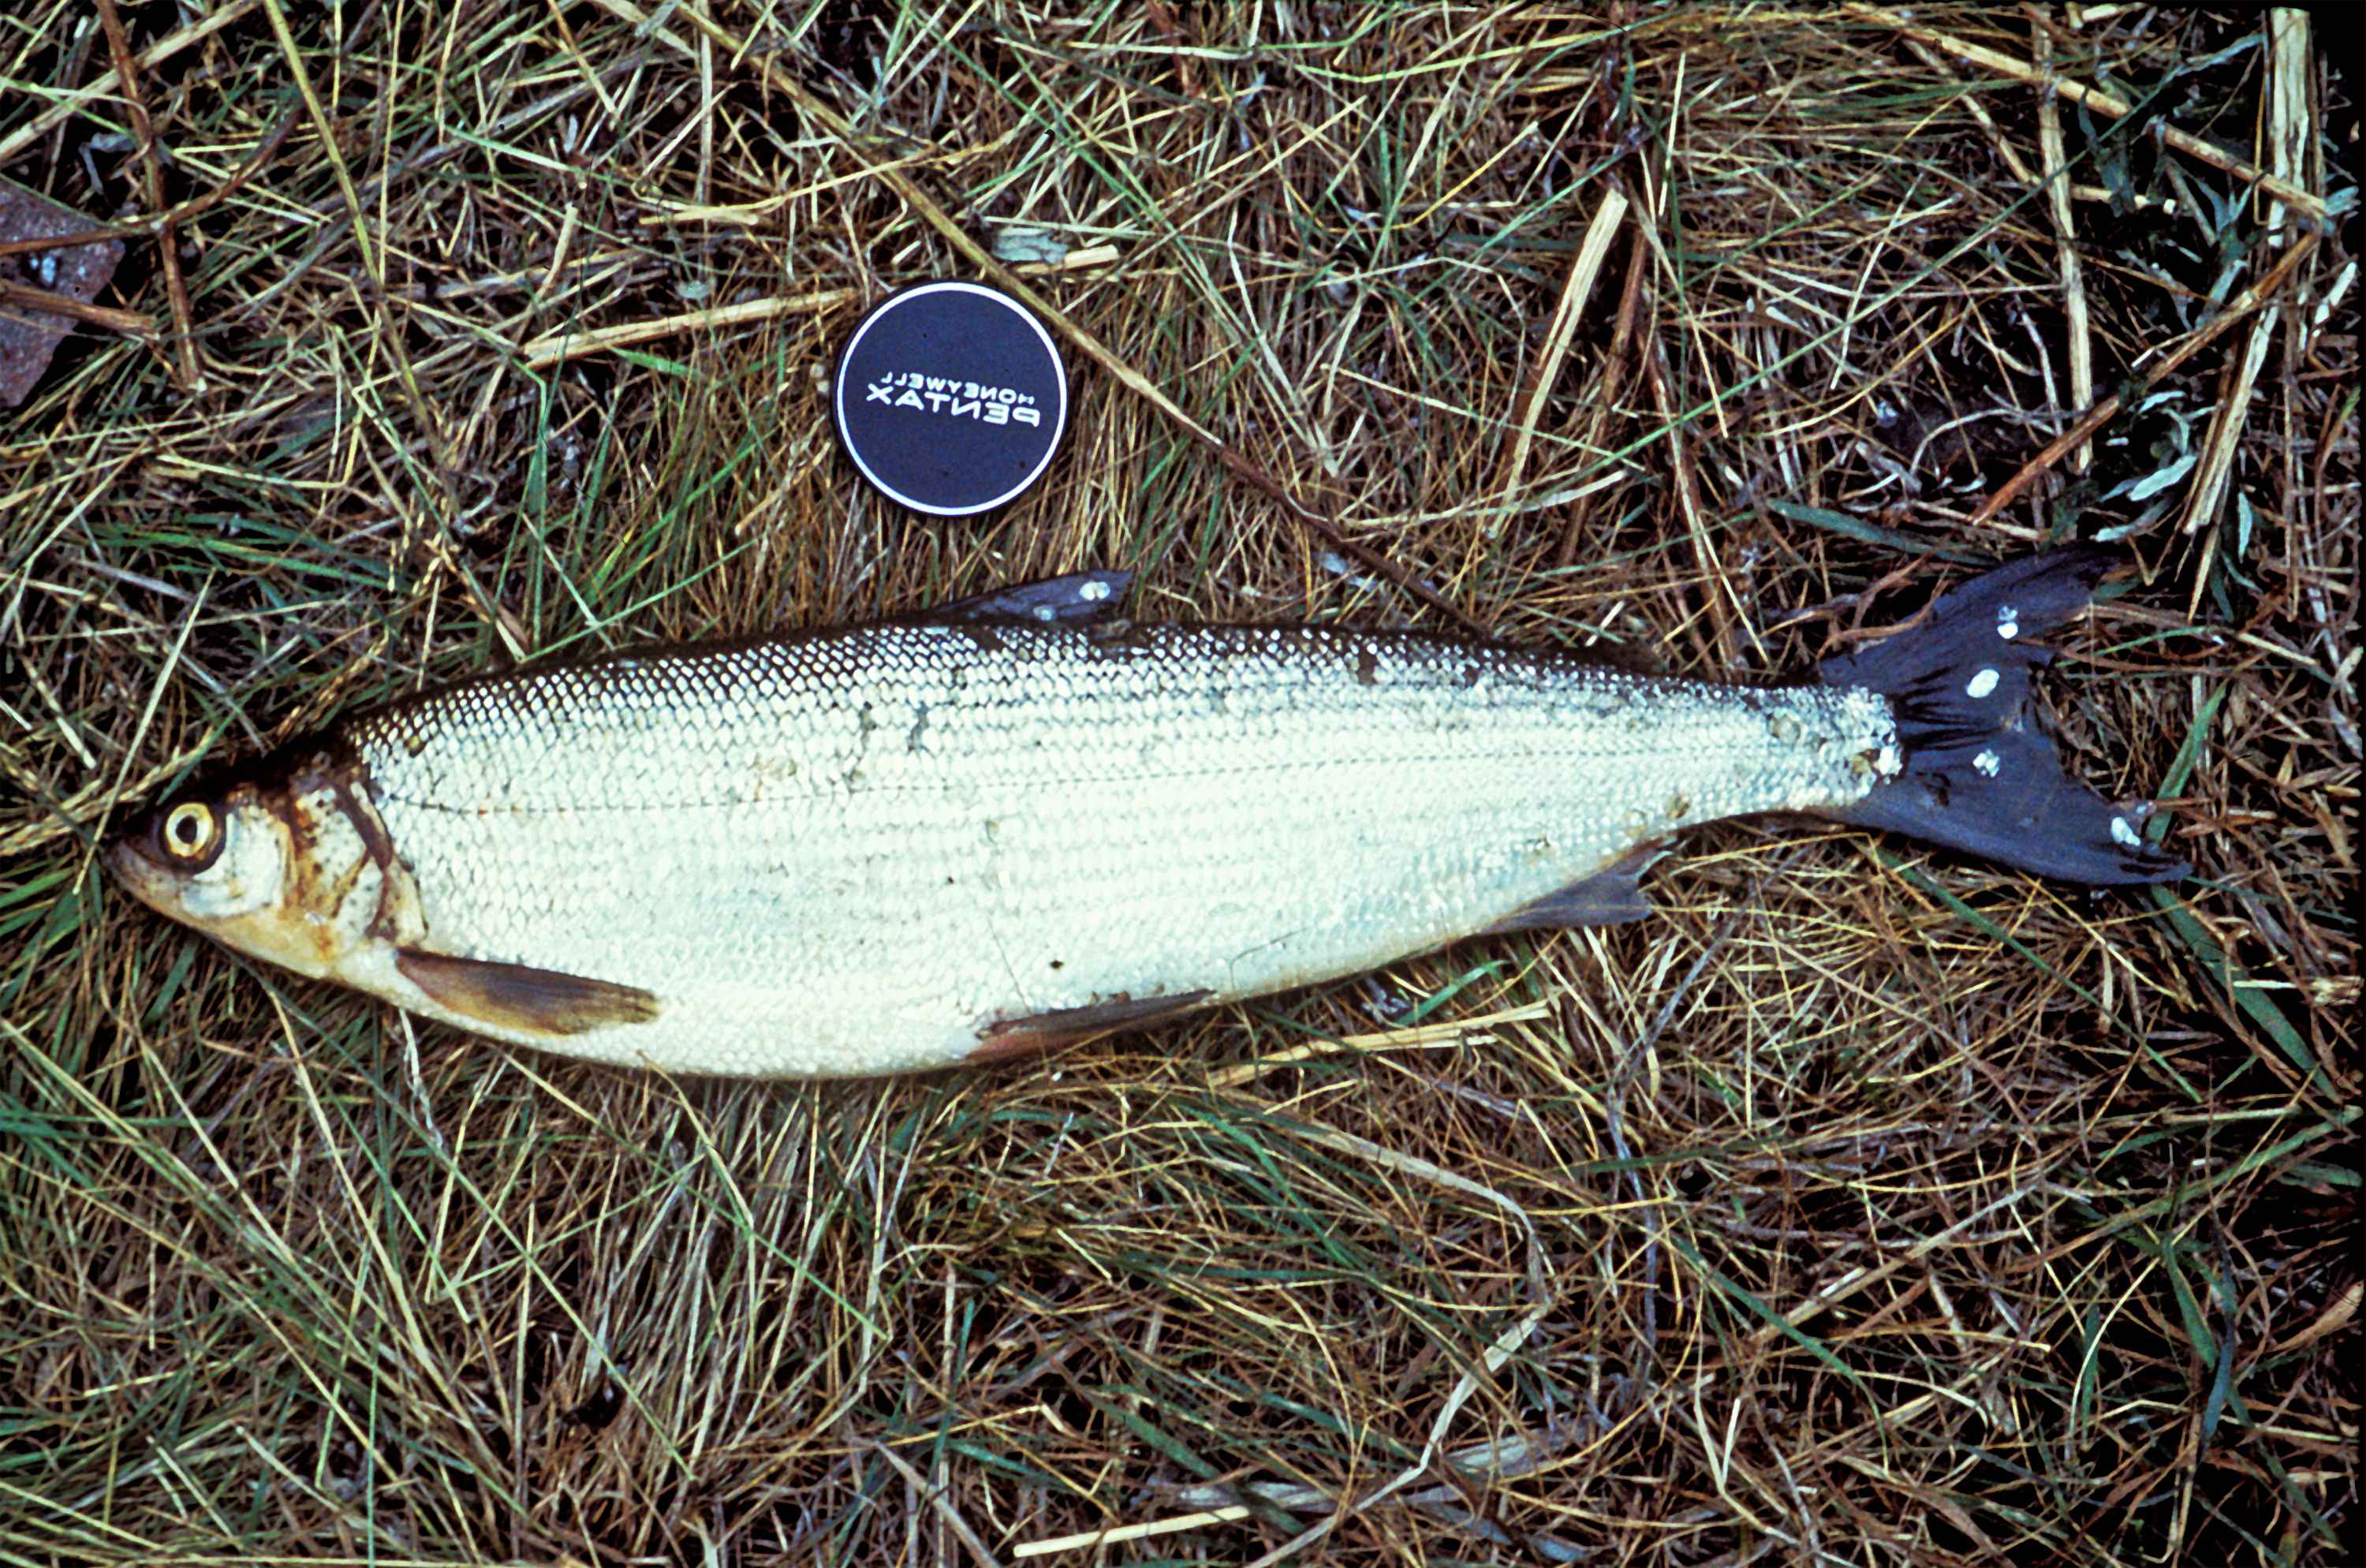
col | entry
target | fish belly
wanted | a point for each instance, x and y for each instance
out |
(863, 852)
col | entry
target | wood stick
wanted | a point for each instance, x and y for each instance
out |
(552, 348)
(1580, 284)
(157, 224)
(2066, 236)
(2095, 98)
(2094, 419)
(23, 296)
(192, 376)
(1615, 371)
(71, 104)
(2286, 134)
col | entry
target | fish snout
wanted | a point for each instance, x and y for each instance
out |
(130, 859)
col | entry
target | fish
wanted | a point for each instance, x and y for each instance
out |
(1025, 818)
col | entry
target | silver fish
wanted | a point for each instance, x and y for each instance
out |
(1021, 819)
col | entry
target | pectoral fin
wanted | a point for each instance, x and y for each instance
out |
(516, 996)
(1015, 1036)
(1611, 896)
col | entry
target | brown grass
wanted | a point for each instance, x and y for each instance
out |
(1871, 1206)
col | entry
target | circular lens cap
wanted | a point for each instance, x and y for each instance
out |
(951, 397)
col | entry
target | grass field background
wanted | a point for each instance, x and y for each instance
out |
(1870, 1206)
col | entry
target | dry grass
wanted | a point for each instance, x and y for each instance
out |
(1872, 1206)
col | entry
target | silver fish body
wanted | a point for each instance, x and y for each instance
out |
(867, 851)
(912, 844)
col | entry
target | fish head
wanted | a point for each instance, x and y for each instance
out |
(274, 866)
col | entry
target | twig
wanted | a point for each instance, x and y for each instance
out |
(372, 254)
(2094, 419)
(2286, 135)
(26, 296)
(1716, 590)
(1468, 1032)
(942, 1503)
(1581, 271)
(157, 223)
(554, 347)
(1118, 1535)
(69, 242)
(152, 166)
(71, 104)
(1614, 383)
(2095, 98)
(2065, 234)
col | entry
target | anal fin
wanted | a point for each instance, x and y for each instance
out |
(1062, 1026)
(518, 996)
(1611, 896)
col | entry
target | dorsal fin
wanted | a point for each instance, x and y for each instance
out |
(1079, 597)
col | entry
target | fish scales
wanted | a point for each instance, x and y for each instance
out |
(857, 852)
(1018, 822)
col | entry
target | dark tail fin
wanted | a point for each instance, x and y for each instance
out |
(1980, 776)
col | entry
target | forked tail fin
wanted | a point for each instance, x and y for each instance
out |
(1978, 774)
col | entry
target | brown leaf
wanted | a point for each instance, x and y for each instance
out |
(29, 336)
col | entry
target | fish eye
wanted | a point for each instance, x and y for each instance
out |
(191, 833)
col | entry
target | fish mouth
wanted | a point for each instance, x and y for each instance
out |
(139, 875)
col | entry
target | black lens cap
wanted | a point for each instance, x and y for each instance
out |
(950, 399)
